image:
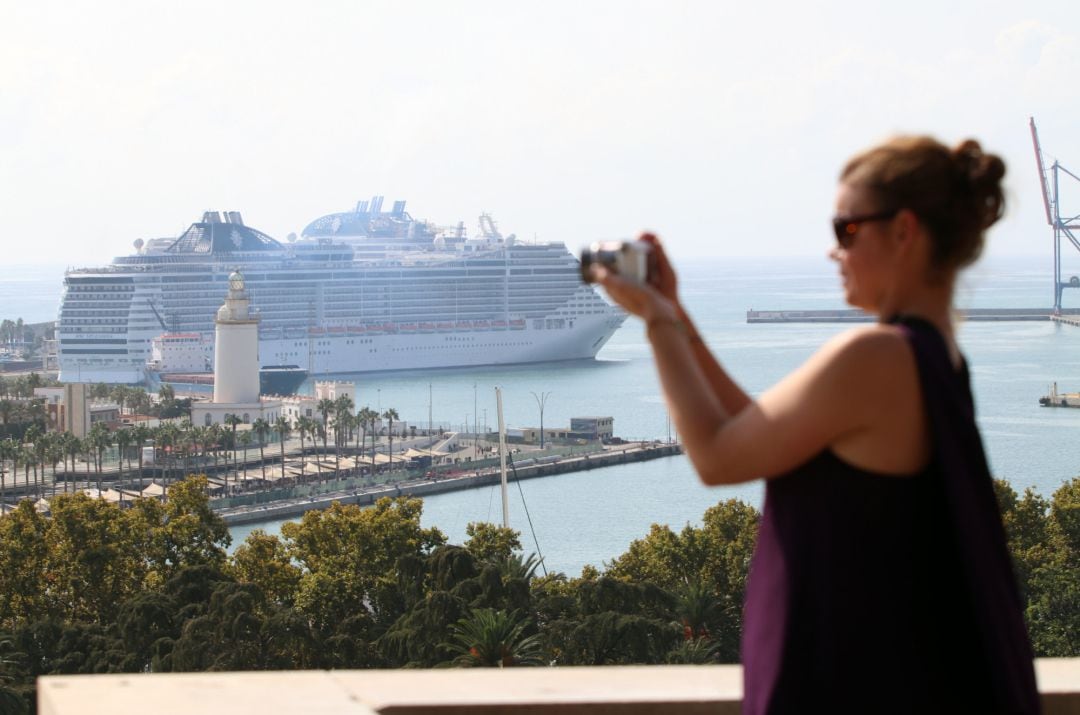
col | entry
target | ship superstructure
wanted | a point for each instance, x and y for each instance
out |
(364, 290)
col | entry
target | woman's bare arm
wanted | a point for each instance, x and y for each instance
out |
(859, 392)
(731, 396)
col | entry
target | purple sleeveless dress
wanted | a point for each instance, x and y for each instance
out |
(873, 593)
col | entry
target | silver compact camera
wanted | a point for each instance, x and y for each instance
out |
(632, 260)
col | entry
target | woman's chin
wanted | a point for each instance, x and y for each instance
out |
(851, 297)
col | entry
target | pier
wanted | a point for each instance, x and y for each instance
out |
(1070, 316)
(448, 482)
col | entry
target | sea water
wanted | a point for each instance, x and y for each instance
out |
(591, 517)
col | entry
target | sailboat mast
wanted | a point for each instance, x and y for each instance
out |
(502, 458)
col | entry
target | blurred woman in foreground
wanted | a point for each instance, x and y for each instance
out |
(881, 581)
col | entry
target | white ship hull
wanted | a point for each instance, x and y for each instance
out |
(327, 354)
(403, 351)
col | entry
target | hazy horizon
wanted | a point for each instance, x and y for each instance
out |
(721, 127)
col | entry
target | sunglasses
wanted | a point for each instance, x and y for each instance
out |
(845, 227)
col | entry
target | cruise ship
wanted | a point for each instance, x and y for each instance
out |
(357, 291)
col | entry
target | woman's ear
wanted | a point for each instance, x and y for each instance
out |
(907, 230)
(911, 236)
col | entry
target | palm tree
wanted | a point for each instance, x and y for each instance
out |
(7, 409)
(214, 435)
(698, 651)
(283, 428)
(74, 447)
(7, 451)
(200, 440)
(100, 440)
(23, 456)
(367, 418)
(519, 567)
(697, 608)
(343, 407)
(139, 435)
(261, 428)
(123, 441)
(32, 440)
(303, 428)
(245, 441)
(37, 412)
(324, 407)
(232, 421)
(56, 455)
(494, 639)
(361, 423)
(390, 415)
(168, 437)
(119, 395)
(42, 446)
(317, 431)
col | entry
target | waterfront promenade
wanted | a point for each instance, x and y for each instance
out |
(447, 481)
(255, 489)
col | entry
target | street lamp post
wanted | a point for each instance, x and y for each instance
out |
(541, 400)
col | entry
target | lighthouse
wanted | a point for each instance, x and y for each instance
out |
(236, 347)
(236, 364)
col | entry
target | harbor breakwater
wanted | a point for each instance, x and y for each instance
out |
(1069, 315)
(363, 496)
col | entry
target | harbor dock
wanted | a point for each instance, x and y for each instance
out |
(448, 482)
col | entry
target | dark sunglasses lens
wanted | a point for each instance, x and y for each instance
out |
(845, 233)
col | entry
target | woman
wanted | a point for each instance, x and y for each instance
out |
(881, 579)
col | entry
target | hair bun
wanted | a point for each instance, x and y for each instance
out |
(983, 174)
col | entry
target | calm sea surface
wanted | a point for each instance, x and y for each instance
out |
(590, 517)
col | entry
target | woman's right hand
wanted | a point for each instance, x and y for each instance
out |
(656, 300)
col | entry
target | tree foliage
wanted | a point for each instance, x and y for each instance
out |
(151, 588)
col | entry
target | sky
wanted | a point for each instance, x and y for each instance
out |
(720, 125)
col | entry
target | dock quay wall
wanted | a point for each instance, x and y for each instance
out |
(447, 483)
(1070, 315)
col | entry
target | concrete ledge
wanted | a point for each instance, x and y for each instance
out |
(618, 690)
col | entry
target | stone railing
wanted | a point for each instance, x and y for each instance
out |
(612, 690)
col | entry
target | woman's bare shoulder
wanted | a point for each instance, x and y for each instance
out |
(868, 350)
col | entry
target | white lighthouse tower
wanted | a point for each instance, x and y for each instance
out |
(236, 347)
(236, 364)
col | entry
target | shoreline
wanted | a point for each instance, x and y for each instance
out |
(422, 487)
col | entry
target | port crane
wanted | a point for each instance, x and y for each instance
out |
(1063, 226)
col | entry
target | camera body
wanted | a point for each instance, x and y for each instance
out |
(632, 260)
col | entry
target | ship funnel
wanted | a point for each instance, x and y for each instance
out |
(399, 208)
(361, 207)
(234, 217)
(211, 217)
(376, 205)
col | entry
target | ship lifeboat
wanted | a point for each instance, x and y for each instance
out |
(482, 325)
(407, 327)
(357, 330)
(317, 332)
(463, 325)
(337, 330)
(427, 327)
(445, 327)
(499, 324)
(517, 324)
